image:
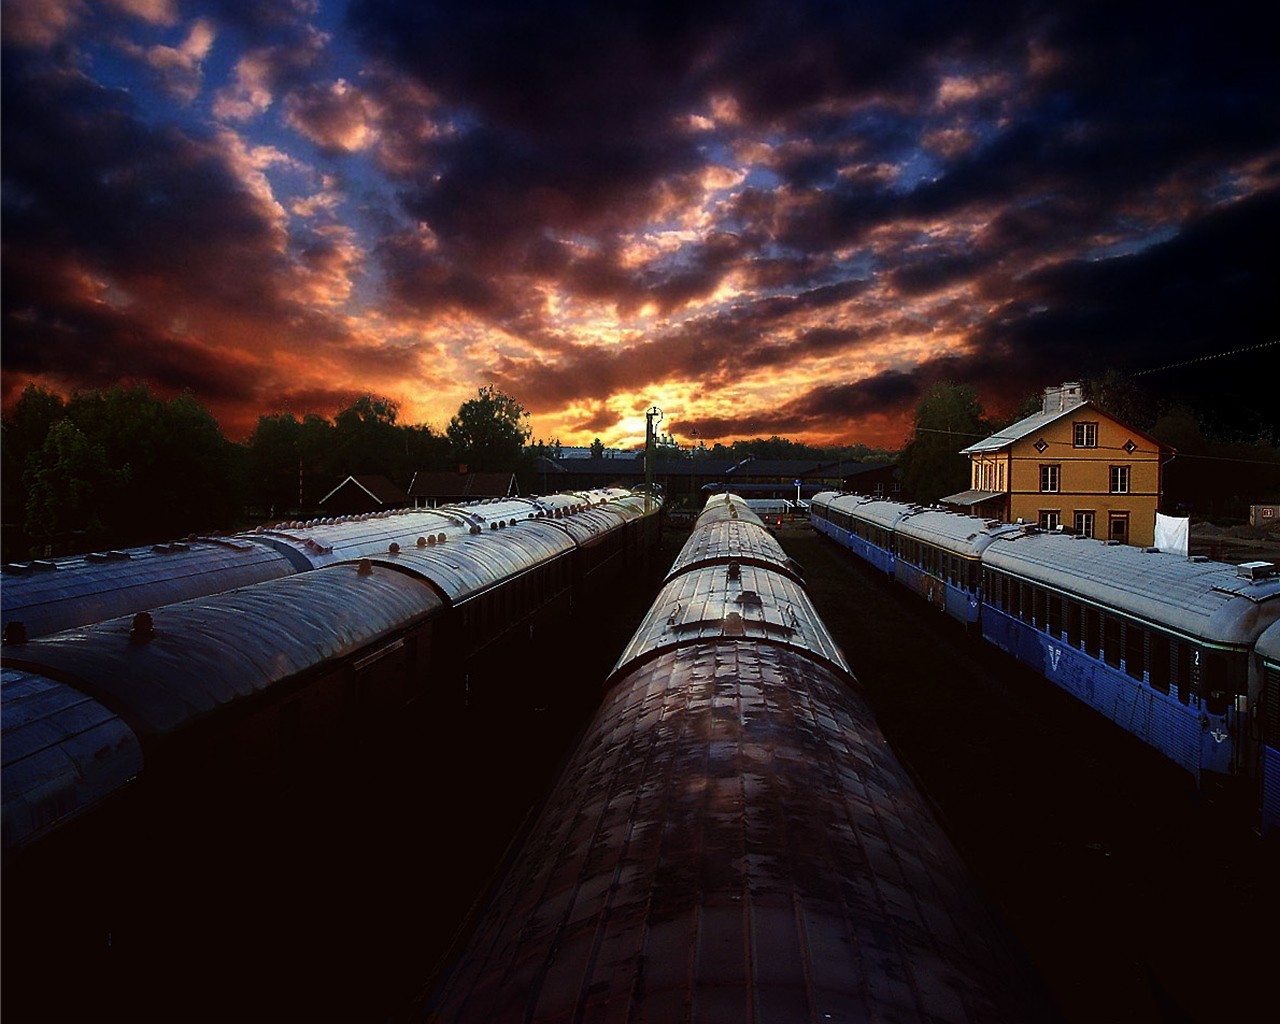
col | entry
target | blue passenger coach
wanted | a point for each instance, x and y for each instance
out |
(1159, 643)
(1267, 650)
(863, 525)
(939, 556)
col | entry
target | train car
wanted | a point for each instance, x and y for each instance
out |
(863, 525)
(733, 839)
(939, 556)
(44, 596)
(1159, 643)
(1267, 652)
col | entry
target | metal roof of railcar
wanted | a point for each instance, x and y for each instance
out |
(464, 567)
(877, 511)
(326, 541)
(720, 541)
(721, 507)
(84, 589)
(733, 839)
(965, 535)
(732, 602)
(1202, 599)
(62, 752)
(589, 524)
(1268, 644)
(209, 652)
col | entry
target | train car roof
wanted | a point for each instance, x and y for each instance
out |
(721, 507)
(51, 595)
(732, 601)
(464, 567)
(1204, 599)
(1268, 644)
(62, 752)
(721, 540)
(878, 511)
(588, 525)
(954, 531)
(206, 653)
(734, 840)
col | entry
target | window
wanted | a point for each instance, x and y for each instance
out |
(1084, 435)
(1075, 615)
(1049, 476)
(1050, 518)
(1159, 668)
(1118, 528)
(1111, 640)
(1092, 630)
(1119, 480)
(1000, 476)
(1134, 650)
(1084, 524)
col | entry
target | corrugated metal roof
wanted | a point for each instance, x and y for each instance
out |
(733, 840)
(720, 540)
(209, 652)
(966, 535)
(464, 567)
(1202, 599)
(62, 753)
(81, 590)
(1268, 644)
(716, 601)
(885, 514)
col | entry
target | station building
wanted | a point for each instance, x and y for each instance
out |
(1071, 466)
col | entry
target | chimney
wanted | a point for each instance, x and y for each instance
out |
(1064, 397)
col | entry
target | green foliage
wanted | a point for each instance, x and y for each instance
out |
(489, 431)
(68, 482)
(948, 419)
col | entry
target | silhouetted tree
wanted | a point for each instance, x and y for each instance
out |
(597, 449)
(948, 419)
(489, 431)
(68, 484)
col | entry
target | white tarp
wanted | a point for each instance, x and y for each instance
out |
(1173, 534)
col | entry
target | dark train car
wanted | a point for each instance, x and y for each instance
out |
(733, 839)
(159, 767)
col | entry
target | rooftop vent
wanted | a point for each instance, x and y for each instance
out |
(1256, 570)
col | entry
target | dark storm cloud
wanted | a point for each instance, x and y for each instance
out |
(149, 206)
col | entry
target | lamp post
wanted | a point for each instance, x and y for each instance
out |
(651, 419)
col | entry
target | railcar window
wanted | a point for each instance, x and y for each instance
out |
(1134, 650)
(1092, 630)
(1158, 669)
(1038, 610)
(1074, 616)
(1217, 683)
(1111, 640)
(1182, 666)
(1055, 615)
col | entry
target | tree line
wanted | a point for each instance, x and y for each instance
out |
(118, 467)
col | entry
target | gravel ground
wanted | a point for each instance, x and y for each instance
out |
(1138, 898)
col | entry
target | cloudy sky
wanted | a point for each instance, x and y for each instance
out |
(766, 218)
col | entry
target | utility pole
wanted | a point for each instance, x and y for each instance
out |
(651, 419)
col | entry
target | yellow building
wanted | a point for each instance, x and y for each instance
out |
(1071, 465)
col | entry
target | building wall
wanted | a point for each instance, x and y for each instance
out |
(1085, 476)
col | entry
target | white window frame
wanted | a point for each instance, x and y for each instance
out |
(1050, 478)
(1050, 518)
(1084, 434)
(1080, 517)
(1120, 479)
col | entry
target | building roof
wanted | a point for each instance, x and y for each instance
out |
(1017, 431)
(970, 498)
(379, 488)
(1031, 424)
(469, 485)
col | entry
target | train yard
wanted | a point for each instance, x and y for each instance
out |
(1137, 896)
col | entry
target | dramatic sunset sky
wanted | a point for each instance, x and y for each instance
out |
(765, 217)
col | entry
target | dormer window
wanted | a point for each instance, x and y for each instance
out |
(1085, 435)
